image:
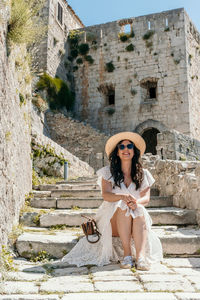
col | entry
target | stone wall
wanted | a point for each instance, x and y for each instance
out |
(193, 69)
(57, 51)
(178, 179)
(49, 157)
(15, 150)
(177, 146)
(78, 138)
(160, 60)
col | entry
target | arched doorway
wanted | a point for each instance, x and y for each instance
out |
(150, 137)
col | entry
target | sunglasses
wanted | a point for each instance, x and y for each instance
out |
(122, 146)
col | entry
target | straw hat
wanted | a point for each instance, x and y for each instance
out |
(137, 140)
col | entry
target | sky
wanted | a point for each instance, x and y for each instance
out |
(92, 12)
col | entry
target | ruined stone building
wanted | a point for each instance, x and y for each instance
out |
(137, 74)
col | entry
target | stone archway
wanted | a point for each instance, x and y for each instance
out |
(148, 130)
(150, 137)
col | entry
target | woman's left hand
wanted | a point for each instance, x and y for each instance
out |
(132, 204)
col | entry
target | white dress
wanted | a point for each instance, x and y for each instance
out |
(109, 249)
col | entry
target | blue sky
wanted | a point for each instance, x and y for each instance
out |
(93, 12)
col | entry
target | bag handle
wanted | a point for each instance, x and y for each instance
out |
(98, 238)
(87, 218)
(97, 232)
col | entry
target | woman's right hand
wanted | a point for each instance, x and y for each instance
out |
(128, 199)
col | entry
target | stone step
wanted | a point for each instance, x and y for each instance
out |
(81, 186)
(175, 241)
(72, 217)
(74, 193)
(67, 193)
(80, 180)
(156, 201)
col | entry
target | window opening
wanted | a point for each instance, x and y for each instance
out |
(152, 92)
(149, 89)
(127, 28)
(60, 14)
(149, 25)
(166, 22)
(111, 97)
(108, 91)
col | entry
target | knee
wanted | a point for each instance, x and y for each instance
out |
(140, 220)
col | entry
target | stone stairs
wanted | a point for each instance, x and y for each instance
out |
(52, 223)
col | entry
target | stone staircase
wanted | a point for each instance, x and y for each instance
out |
(52, 224)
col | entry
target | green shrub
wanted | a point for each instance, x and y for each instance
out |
(79, 61)
(110, 111)
(133, 92)
(75, 68)
(6, 260)
(148, 34)
(83, 49)
(149, 44)
(130, 47)
(70, 58)
(89, 59)
(74, 53)
(123, 37)
(22, 99)
(110, 67)
(58, 93)
(25, 26)
(73, 38)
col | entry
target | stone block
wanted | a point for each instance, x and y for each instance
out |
(18, 287)
(183, 286)
(188, 296)
(122, 296)
(116, 286)
(64, 285)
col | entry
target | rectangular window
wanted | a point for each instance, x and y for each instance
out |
(60, 14)
(111, 97)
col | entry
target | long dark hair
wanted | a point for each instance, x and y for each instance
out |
(136, 167)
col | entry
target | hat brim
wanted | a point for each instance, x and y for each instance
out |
(131, 136)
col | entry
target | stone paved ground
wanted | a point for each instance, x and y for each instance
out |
(174, 279)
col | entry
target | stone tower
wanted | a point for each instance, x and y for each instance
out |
(50, 54)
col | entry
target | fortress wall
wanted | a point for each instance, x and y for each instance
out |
(160, 58)
(193, 70)
(15, 149)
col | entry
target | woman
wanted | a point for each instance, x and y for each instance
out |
(125, 190)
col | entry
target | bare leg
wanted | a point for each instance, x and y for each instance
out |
(124, 226)
(139, 235)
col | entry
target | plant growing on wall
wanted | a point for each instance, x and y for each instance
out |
(110, 111)
(110, 67)
(79, 61)
(39, 102)
(73, 38)
(58, 93)
(125, 36)
(89, 59)
(74, 53)
(130, 47)
(83, 49)
(25, 25)
(133, 92)
(148, 34)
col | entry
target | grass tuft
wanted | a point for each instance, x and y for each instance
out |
(25, 25)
